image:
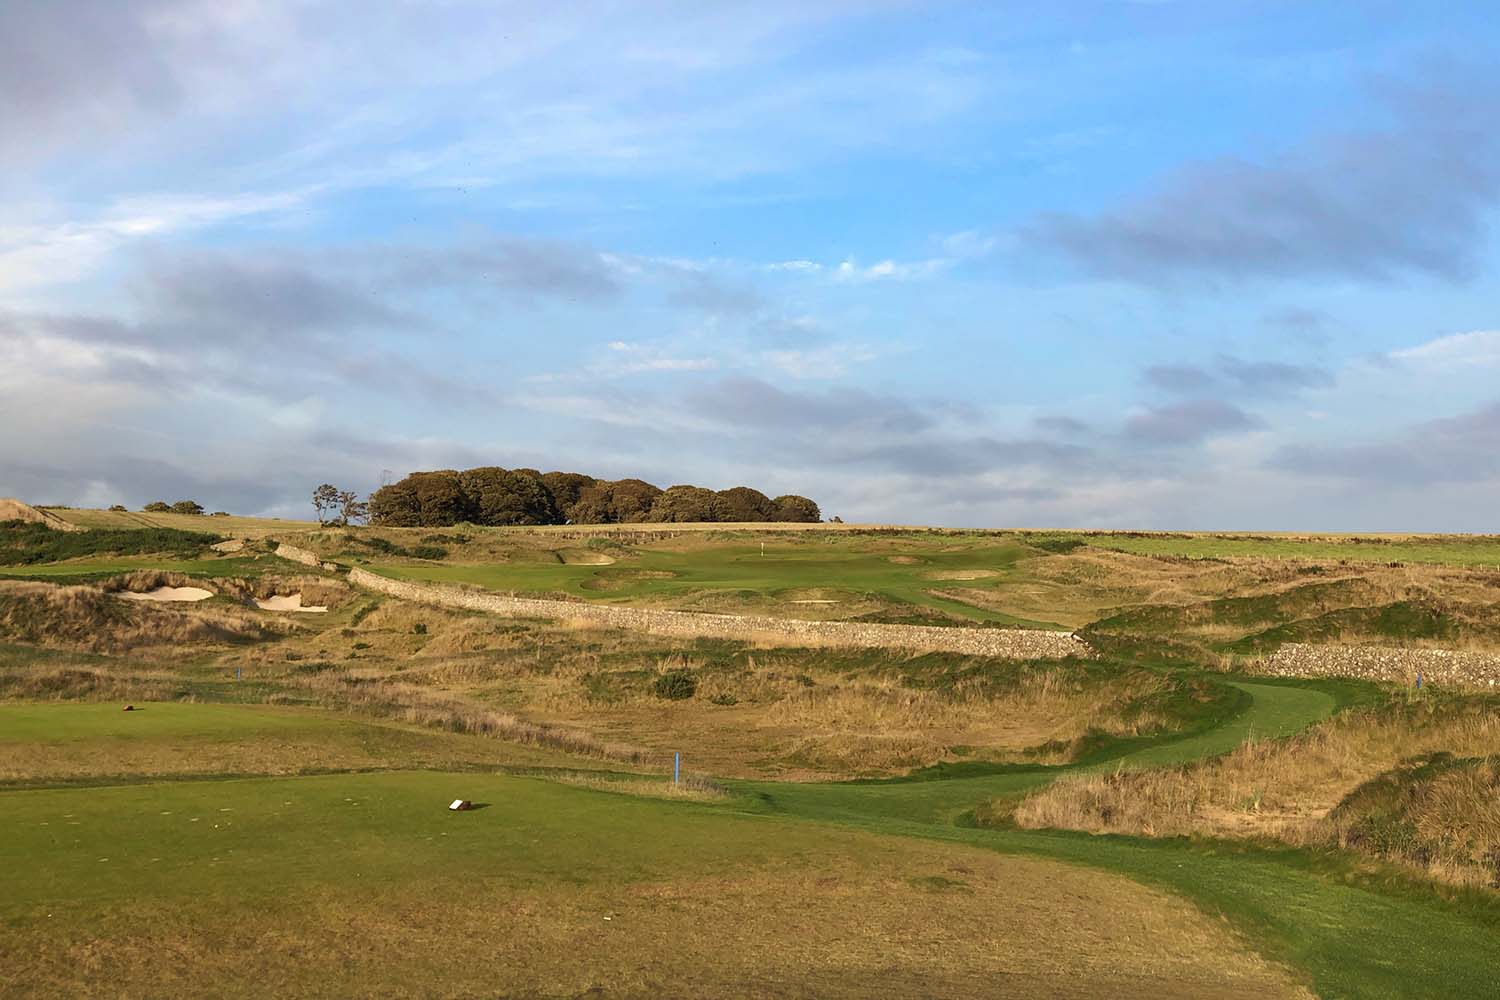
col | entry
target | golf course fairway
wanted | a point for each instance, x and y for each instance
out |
(777, 889)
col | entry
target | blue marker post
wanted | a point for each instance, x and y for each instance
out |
(236, 673)
(676, 767)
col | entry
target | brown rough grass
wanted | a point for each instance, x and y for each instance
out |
(692, 787)
(921, 922)
(91, 619)
(1287, 789)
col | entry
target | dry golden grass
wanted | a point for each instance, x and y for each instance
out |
(419, 706)
(239, 527)
(122, 681)
(768, 720)
(692, 787)
(756, 713)
(917, 921)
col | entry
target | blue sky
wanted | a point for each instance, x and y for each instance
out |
(1104, 264)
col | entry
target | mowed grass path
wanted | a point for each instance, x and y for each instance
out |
(831, 565)
(1277, 710)
(1354, 940)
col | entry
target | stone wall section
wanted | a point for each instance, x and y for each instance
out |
(297, 555)
(1007, 643)
(1443, 667)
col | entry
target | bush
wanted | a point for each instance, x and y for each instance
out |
(741, 503)
(429, 552)
(676, 685)
(685, 504)
(187, 507)
(158, 507)
(420, 628)
(791, 507)
(117, 508)
(22, 543)
(1058, 546)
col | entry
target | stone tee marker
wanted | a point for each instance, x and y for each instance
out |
(460, 805)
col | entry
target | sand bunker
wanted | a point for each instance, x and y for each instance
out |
(168, 594)
(229, 545)
(621, 579)
(903, 560)
(584, 557)
(814, 600)
(961, 574)
(288, 602)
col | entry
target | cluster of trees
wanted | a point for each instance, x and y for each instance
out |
(180, 507)
(492, 495)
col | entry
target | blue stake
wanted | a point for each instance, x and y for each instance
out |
(236, 673)
(676, 767)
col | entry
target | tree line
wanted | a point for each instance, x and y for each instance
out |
(494, 496)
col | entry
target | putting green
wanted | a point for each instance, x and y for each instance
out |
(835, 563)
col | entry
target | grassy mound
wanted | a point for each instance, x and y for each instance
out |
(1437, 813)
(92, 619)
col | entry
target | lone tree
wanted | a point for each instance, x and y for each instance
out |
(157, 507)
(351, 508)
(325, 498)
(187, 507)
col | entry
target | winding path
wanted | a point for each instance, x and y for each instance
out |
(1351, 938)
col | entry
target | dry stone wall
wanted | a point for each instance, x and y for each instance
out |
(297, 555)
(1444, 667)
(1008, 643)
(304, 557)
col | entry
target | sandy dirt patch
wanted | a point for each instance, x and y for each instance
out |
(229, 545)
(814, 600)
(904, 560)
(173, 594)
(14, 510)
(961, 574)
(288, 602)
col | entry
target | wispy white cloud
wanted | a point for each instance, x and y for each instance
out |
(47, 253)
(1455, 351)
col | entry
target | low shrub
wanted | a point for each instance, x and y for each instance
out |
(675, 685)
(23, 543)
